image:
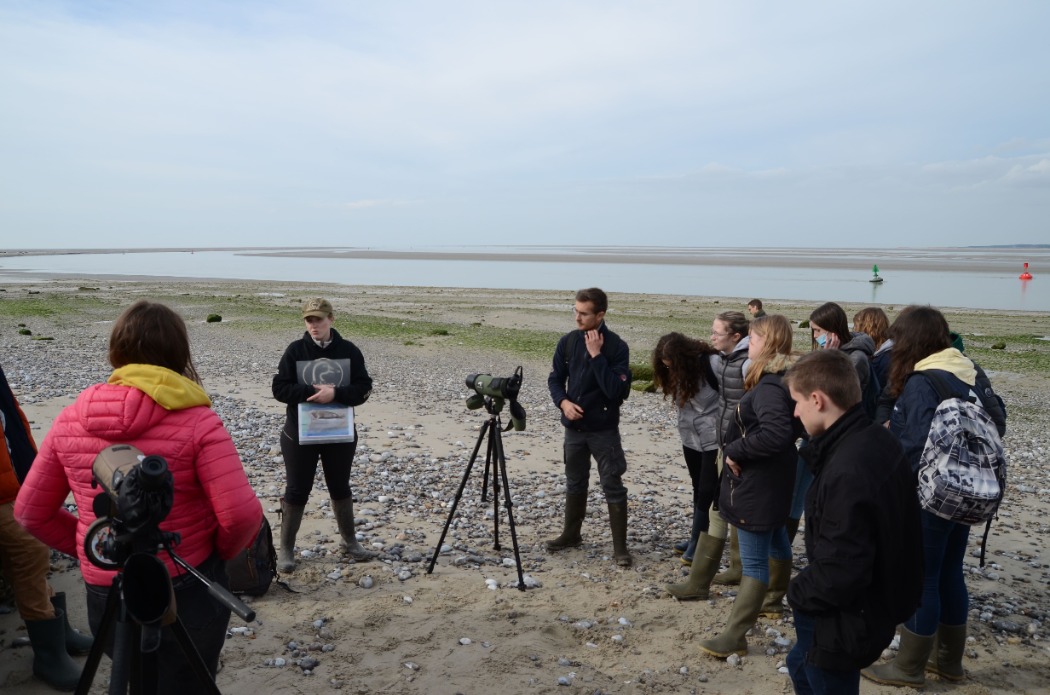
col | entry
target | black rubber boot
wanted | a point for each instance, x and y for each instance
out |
(575, 511)
(77, 643)
(291, 518)
(344, 517)
(618, 524)
(51, 663)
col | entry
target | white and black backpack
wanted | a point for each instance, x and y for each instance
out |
(962, 469)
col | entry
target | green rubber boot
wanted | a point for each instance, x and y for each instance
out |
(946, 657)
(575, 511)
(908, 668)
(779, 576)
(618, 525)
(732, 575)
(77, 643)
(344, 518)
(291, 518)
(733, 639)
(51, 663)
(705, 563)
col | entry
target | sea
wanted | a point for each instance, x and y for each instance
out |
(964, 278)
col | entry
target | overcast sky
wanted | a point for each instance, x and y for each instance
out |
(408, 123)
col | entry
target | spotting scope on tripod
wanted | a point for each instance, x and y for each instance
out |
(492, 393)
(138, 492)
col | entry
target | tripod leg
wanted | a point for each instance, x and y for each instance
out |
(459, 494)
(109, 616)
(204, 678)
(488, 464)
(509, 504)
(491, 460)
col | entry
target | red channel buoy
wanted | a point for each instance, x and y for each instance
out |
(1025, 275)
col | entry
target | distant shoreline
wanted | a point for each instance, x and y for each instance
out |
(962, 259)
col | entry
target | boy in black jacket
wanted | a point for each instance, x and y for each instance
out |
(863, 536)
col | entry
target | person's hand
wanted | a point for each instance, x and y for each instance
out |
(733, 466)
(570, 410)
(325, 394)
(593, 340)
(833, 342)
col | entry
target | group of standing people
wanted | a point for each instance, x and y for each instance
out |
(837, 433)
(745, 400)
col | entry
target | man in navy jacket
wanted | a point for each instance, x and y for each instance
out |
(590, 378)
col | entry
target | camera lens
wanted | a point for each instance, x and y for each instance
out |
(152, 472)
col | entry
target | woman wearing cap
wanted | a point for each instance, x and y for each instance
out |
(321, 367)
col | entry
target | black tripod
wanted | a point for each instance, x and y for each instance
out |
(493, 457)
(137, 629)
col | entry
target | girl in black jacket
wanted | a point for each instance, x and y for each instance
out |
(321, 367)
(755, 497)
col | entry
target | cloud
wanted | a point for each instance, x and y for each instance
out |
(553, 118)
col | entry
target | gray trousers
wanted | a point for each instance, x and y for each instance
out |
(605, 447)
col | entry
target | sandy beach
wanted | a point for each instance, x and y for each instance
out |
(588, 626)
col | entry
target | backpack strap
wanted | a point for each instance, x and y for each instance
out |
(938, 382)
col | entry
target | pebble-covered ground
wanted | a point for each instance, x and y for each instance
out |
(583, 624)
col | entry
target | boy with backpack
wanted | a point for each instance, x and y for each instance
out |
(862, 537)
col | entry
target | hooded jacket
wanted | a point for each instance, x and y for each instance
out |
(160, 413)
(913, 411)
(762, 440)
(860, 349)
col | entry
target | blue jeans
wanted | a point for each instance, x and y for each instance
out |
(803, 479)
(757, 548)
(808, 678)
(607, 451)
(944, 597)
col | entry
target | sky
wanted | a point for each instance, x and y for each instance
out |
(408, 123)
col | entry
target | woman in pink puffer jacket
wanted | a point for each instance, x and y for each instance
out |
(153, 401)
